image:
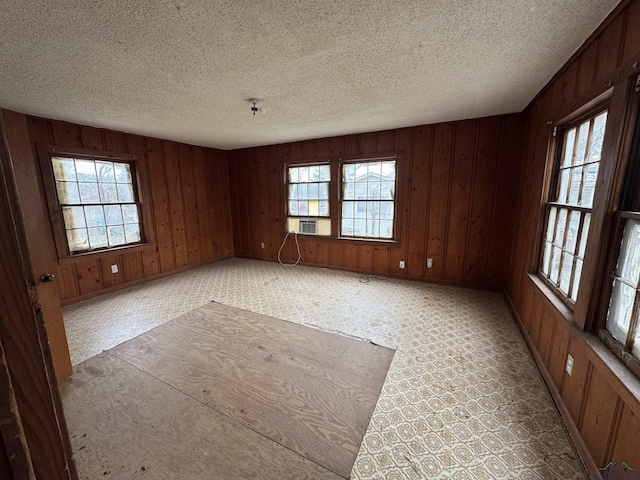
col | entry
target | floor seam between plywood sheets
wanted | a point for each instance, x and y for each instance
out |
(233, 420)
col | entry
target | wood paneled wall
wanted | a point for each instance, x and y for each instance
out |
(186, 208)
(456, 201)
(600, 399)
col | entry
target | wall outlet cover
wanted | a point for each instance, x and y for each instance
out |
(401, 263)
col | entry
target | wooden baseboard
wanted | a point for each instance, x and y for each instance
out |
(586, 460)
(133, 283)
(438, 281)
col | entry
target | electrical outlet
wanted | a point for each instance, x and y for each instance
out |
(569, 367)
(114, 268)
(261, 244)
(401, 263)
(429, 262)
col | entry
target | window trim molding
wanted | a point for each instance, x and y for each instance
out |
(555, 149)
(45, 153)
(335, 213)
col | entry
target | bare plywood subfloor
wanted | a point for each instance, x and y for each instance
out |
(227, 391)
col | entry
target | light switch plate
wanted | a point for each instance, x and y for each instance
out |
(569, 366)
(114, 268)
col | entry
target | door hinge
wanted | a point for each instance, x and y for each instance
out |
(33, 297)
(638, 83)
(555, 131)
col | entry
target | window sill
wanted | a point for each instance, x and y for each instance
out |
(376, 242)
(138, 247)
(556, 301)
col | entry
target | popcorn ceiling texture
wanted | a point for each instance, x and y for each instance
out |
(463, 398)
(182, 69)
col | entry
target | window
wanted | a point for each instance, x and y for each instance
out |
(570, 203)
(368, 199)
(308, 199)
(621, 330)
(98, 203)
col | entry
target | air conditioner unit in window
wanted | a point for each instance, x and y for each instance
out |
(309, 226)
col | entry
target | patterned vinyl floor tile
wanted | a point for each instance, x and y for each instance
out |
(463, 398)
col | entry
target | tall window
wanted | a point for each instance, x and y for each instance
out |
(98, 202)
(623, 315)
(368, 199)
(570, 203)
(308, 199)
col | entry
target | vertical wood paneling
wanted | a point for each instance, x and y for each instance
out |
(432, 218)
(461, 186)
(600, 405)
(189, 202)
(176, 203)
(482, 198)
(625, 447)
(186, 207)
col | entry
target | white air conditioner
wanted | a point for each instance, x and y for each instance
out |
(309, 226)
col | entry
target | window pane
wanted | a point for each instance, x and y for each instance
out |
(293, 192)
(303, 207)
(629, 259)
(576, 183)
(314, 173)
(323, 208)
(116, 235)
(348, 209)
(389, 170)
(546, 257)
(73, 217)
(293, 207)
(293, 175)
(94, 216)
(349, 191)
(386, 229)
(572, 231)
(105, 172)
(373, 191)
(312, 191)
(86, 171)
(89, 193)
(347, 227)
(589, 186)
(108, 192)
(584, 234)
(387, 190)
(569, 141)
(576, 280)
(620, 307)
(597, 135)
(581, 147)
(132, 233)
(564, 186)
(122, 173)
(325, 173)
(561, 225)
(303, 174)
(349, 173)
(98, 237)
(303, 191)
(551, 225)
(78, 239)
(386, 210)
(68, 193)
(555, 264)
(64, 169)
(360, 227)
(125, 192)
(565, 272)
(113, 214)
(130, 213)
(323, 192)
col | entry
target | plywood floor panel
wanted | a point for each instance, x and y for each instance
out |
(308, 390)
(126, 424)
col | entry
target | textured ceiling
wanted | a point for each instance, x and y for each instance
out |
(183, 69)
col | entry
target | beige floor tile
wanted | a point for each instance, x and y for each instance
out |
(463, 398)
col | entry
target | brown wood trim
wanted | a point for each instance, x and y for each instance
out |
(399, 276)
(131, 248)
(571, 428)
(45, 152)
(140, 281)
